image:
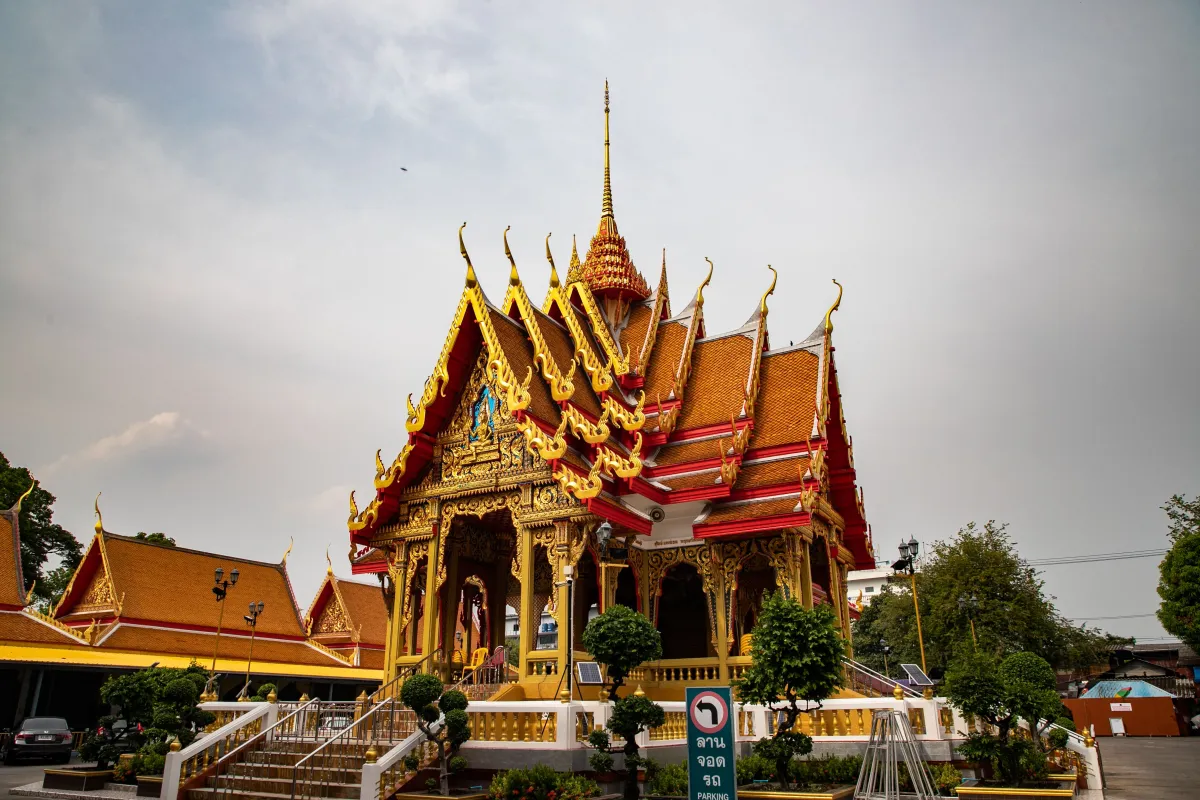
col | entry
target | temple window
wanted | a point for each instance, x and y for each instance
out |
(683, 614)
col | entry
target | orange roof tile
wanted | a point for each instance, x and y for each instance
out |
(716, 388)
(634, 333)
(145, 574)
(664, 361)
(562, 350)
(755, 509)
(694, 480)
(16, 626)
(771, 473)
(787, 396)
(12, 582)
(519, 354)
(200, 645)
(365, 605)
(684, 452)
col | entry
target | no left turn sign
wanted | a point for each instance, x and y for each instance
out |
(709, 712)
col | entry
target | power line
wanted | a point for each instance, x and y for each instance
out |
(1118, 616)
(1083, 559)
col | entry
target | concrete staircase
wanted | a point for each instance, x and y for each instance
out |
(266, 770)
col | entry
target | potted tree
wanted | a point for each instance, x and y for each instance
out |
(797, 662)
(621, 640)
(1001, 693)
(425, 695)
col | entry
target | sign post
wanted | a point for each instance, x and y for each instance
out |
(710, 744)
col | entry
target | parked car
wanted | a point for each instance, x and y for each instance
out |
(40, 737)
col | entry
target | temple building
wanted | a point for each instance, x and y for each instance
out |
(722, 464)
(132, 603)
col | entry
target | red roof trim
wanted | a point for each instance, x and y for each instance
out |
(737, 526)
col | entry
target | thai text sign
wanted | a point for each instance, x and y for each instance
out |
(710, 732)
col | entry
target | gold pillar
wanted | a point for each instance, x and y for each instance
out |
(806, 592)
(395, 645)
(431, 610)
(526, 624)
(722, 614)
(448, 618)
(562, 557)
(835, 586)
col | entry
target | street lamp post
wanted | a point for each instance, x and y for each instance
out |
(885, 649)
(252, 621)
(569, 575)
(907, 563)
(221, 588)
(970, 605)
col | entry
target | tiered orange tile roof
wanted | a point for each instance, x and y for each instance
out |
(717, 412)
(349, 618)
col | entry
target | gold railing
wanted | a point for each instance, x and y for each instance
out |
(196, 764)
(674, 727)
(51, 621)
(513, 726)
(848, 722)
(545, 666)
(745, 725)
(688, 672)
(224, 717)
(585, 721)
(398, 774)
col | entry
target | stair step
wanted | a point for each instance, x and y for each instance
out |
(222, 794)
(342, 787)
(348, 774)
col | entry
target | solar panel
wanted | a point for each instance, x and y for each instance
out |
(916, 675)
(589, 673)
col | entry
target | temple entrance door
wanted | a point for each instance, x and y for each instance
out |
(683, 614)
(818, 553)
(478, 571)
(587, 597)
(755, 578)
(627, 593)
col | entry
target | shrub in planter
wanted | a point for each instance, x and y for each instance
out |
(754, 768)
(540, 782)
(945, 778)
(797, 659)
(826, 771)
(669, 780)
(424, 695)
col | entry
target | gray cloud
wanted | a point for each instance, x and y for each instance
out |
(204, 212)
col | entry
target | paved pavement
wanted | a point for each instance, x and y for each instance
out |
(23, 773)
(1151, 768)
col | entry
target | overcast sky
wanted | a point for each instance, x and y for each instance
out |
(217, 285)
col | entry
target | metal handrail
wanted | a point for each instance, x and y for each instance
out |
(408, 671)
(892, 682)
(230, 758)
(332, 758)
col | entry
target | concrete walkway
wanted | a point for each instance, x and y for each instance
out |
(1151, 768)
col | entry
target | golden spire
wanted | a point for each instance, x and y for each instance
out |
(833, 308)
(707, 278)
(574, 268)
(329, 561)
(21, 499)
(288, 552)
(550, 258)
(774, 277)
(513, 278)
(606, 206)
(462, 248)
(99, 519)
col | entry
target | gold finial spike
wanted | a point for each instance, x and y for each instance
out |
(379, 468)
(288, 552)
(329, 561)
(639, 692)
(29, 491)
(99, 519)
(353, 507)
(707, 278)
(606, 209)
(771, 291)
(833, 308)
(472, 282)
(550, 257)
(513, 278)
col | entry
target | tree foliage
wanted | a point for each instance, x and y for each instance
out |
(424, 694)
(1012, 612)
(621, 640)
(796, 655)
(155, 538)
(41, 537)
(1001, 692)
(157, 705)
(1179, 572)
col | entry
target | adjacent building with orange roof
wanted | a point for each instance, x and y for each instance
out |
(722, 464)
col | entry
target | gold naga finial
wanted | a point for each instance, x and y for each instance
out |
(288, 552)
(769, 292)
(472, 282)
(17, 508)
(513, 278)
(353, 507)
(550, 257)
(29, 594)
(329, 561)
(833, 308)
(99, 519)
(606, 209)
(707, 278)
(379, 468)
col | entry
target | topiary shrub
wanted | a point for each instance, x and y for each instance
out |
(669, 780)
(540, 782)
(424, 694)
